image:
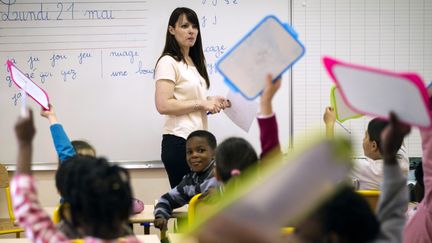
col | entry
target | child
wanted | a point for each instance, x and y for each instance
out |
(200, 147)
(65, 150)
(236, 154)
(338, 219)
(98, 194)
(418, 227)
(369, 171)
(416, 191)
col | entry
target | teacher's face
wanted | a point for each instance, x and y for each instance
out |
(199, 154)
(184, 32)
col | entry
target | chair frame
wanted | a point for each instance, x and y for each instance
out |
(4, 183)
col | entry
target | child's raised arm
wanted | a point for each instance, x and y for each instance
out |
(329, 120)
(61, 141)
(25, 131)
(393, 200)
(267, 96)
(418, 228)
(269, 135)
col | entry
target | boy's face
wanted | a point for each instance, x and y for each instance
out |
(369, 147)
(199, 154)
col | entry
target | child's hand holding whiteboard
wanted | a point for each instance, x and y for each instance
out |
(28, 86)
(269, 48)
(376, 92)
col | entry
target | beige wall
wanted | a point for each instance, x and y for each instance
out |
(148, 185)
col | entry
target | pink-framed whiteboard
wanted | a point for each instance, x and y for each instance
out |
(376, 92)
(27, 85)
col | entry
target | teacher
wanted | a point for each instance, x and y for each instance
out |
(181, 85)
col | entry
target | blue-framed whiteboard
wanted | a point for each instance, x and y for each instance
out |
(271, 47)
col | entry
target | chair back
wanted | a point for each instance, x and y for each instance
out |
(4, 184)
(192, 209)
(371, 197)
(7, 225)
(56, 214)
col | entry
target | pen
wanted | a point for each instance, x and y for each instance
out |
(346, 129)
(23, 101)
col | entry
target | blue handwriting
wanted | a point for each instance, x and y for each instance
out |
(217, 50)
(31, 61)
(62, 9)
(16, 97)
(56, 58)
(130, 54)
(215, 2)
(211, 68)
(99, 14)
(44, 76)
(119, 74)
(143, 71)
(68, 73)
(9, 81)
(204, 21)
(11, 15)
(83, 55)
(30, 75)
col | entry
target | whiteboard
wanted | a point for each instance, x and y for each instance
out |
(96, 59)
(388, 34)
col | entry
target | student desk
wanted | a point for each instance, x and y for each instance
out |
(142, 238)
(180, 238)
(144, 218)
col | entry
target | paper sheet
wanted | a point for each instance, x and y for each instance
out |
(242, 112)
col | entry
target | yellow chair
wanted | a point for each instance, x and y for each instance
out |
(7, 225)
(56, 214)
(192, 209)
(287, 230)
(371, 197)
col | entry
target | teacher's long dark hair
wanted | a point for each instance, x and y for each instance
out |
(172, 48)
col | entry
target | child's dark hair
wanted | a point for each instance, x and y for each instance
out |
(80, 145)
(374, 129)
(211, 139)
(419, 186)
(234, 154)
(344, 212)
(98, 193)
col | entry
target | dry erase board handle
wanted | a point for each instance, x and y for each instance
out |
(290, 30)
(231, 85)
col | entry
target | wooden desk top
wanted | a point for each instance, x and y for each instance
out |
(142, 238)
(180, 238)
(146, 216)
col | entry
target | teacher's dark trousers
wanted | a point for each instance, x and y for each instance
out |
(174, 158)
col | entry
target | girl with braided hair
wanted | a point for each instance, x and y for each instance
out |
(98, 194)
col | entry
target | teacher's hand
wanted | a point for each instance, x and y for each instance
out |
(211, 105)
(221, 101)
